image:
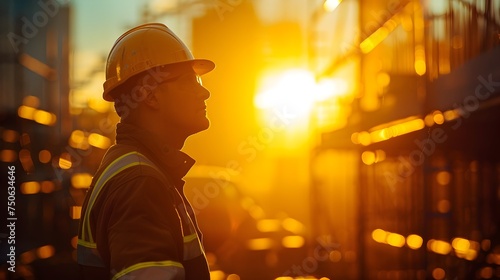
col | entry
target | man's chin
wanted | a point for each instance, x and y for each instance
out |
(200, 127)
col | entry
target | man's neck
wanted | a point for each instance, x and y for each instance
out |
(165, 136)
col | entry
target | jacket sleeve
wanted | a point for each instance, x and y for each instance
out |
(143, 232)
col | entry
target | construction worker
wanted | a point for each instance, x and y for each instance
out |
(136, 222)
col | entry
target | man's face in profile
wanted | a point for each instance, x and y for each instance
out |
(182, 102)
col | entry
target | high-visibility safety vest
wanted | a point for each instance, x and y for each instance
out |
(87, 253)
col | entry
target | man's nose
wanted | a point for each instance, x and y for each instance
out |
(203, 93)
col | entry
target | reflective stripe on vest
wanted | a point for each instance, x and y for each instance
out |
(87, 253)
(87, 248)
(192, 247)
(152, 271)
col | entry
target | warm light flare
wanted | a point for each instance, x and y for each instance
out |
(379, 235)
(293, 225)
(26, 160)
(78, 140)
(420, 65)
(486, 245)
(99, 105)
(31, 101)
(37, 66)
(294, 241)
(429, 120)
(364, 138)
(443, 206)
(268, 225)
(439, 246)
(383, 79)
(460, 244)
(258, 244)
(45, 252)
(44, 156)
(486, 272)
(10, 136)
(291, 90)
(471, 255)
(296, 90)
(451, 115)
(371, 157)
(77, 136)
(26, 112)
(396, 240)
(8, 155)
(368, 157)
(438, 117)
(74, 241)
(31, 187)
(330, 87)
(465, 248)
(387, 131)
(47, 186)
(75, 212)
(443, 178)
(99, 141)
(39, 116)
(256, 212)
(217, 275)
(81, 180)
(335, 256)
(378, 36)
(414, 241)
(44, 117)
(493, 258)
(65, 161)
(28, 257)
(233, 277)
(402, 128)
(438, 273)
(331, 5)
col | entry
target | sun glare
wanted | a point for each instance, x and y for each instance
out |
(296, 91)
(331, 5)
(292, 90)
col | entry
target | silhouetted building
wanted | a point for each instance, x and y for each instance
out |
(34, 121)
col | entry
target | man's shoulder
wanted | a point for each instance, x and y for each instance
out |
(121, 176)
(125, 156)
(125, 163)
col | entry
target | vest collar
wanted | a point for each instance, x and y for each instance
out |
(175, 162)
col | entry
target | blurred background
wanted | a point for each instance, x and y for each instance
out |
(349, 139)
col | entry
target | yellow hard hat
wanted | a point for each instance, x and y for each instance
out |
(145, 47)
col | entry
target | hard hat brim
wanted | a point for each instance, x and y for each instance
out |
(202, 66)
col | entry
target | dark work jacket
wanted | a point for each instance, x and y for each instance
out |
(140, 220)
